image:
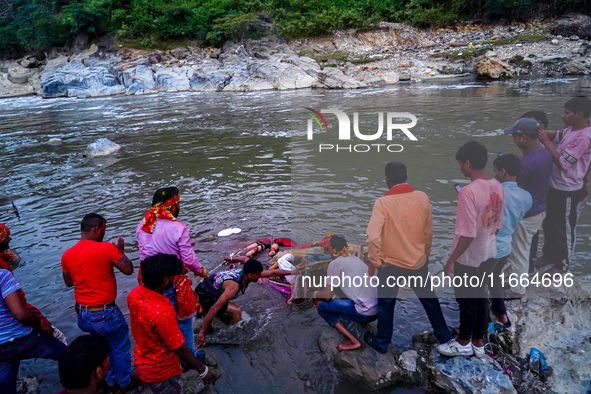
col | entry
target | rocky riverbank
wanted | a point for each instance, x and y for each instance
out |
(345, 60)
(557, 323)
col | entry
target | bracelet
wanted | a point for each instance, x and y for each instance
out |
(202, 375)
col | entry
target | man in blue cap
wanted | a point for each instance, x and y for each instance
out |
(534, 177)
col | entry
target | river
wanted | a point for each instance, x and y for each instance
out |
(240, 160)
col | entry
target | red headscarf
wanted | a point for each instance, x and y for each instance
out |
(160, 210)
(4, 232)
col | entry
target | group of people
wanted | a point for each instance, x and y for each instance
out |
(496, 221)
(497, 218)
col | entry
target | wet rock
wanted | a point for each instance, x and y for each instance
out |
(565, 343)
(364, 366)
(408, 360)
(574, 68)
(101, 147)
(28, 385)
(494, 69)
(579, 25)
(333, 78)
(75, 79)
(55, 141)
(463, 374)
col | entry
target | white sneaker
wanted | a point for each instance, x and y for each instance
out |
(453, 348)
(478, 351)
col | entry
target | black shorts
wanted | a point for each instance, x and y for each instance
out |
(208, 300)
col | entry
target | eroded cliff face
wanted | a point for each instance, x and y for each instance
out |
(344, 60)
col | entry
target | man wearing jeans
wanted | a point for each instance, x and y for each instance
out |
(20, 336)
(361, 304)
(399, 236)
(88, 266)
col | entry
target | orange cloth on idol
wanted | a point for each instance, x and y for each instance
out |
(160, 210)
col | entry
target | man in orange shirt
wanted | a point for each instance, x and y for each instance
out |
(159, 342)
(88, 266)
(399, 236)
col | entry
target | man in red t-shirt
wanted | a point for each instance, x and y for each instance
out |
(88, 266)
(159, 342)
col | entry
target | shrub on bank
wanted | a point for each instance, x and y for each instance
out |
(42, 24)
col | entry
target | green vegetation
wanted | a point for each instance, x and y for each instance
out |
(465, 53)
(42, 24)
(339, 57)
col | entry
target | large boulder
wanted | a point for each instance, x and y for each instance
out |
(75, 79)
(209, 77)
(573, 25)
(559, 324)
(365, 366)
(243, 80)
(173, 79)
(468, 375)
(281, 75)
(333, 78)
(490, 68)
(138, 80)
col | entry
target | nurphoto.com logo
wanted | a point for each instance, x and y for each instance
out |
(344, 131)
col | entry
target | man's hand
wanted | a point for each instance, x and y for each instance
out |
(120, 244)
(301, 267)
(200, 341)
(543, 135)
(449, 268)
(209, 378)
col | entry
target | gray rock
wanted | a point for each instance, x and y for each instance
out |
(417, 63)
(75, 79)
(173, 79)
(29, 62)
(54, 64)
(101, 147)
(209, 77)
(281, 75)
(408, 360)
(574, 68)
(364, 366)
(576, 25)
(27, 385)
(390, 77)
(463, 374)
(138, 76)
(18, 75)
(333, 78)
(309, 65)
(404, 77)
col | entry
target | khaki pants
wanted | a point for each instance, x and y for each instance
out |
(521, 245)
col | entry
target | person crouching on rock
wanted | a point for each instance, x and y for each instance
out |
(216, 292)
(360, 306)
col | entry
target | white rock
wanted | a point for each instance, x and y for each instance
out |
(101, 147)
(55, 141)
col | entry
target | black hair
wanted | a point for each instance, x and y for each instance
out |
(156, 268)
(475, 153)
(91, 221)
(252, 266)
(80, 359)
(396, 172)
(338, 242)
(538, 115)
(580, 103)
(508, 162)
(164, 194)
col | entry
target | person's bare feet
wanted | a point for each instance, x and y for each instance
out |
(348, 345)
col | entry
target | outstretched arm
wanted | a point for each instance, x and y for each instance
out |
(231, 288)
